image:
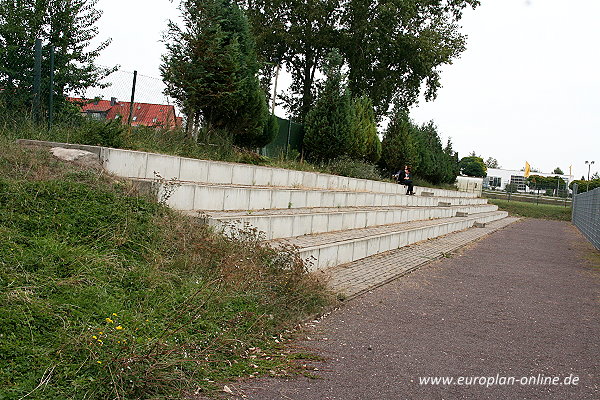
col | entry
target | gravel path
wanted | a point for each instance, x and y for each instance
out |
(523, 302)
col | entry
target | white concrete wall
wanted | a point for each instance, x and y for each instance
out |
(191, 196)
(136, 164)
(276, 226)
(331, 254)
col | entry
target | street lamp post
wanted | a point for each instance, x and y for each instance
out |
(589, 168)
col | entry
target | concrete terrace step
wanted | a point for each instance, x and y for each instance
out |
(333, 248)
(304, 221)
(197, 196)
(144, 165)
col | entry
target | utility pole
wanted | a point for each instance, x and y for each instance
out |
(132, 100)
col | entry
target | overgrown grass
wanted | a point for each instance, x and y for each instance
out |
(531, 210)
(106, 294)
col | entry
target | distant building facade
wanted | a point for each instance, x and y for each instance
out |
(498, 178)
(144, 114)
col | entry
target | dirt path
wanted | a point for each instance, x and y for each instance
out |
(523, 302)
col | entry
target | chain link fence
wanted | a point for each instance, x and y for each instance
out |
(556, 192)
(586, 214)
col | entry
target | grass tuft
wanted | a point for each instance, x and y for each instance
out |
(108, 294)
(531, 210)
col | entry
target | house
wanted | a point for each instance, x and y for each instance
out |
(144, 114)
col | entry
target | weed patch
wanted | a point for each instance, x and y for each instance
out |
(107, 294)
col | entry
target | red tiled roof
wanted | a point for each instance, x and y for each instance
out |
(144, 114)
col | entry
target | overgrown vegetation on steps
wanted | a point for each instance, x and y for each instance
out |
(106, 294)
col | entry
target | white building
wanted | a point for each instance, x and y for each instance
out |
(498, 178)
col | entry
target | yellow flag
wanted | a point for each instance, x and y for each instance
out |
(527, 169)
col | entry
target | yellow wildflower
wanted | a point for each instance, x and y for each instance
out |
(110, 321)
(99, 362)
(94, 337)
(114, 314)
(119, 328)
(100, 333)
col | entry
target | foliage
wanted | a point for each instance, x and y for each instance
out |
(106, 294)
(399, 146)
(346, 166)
(364, 142)
(299, 34)
(584, 185)
(558, 171)
(545, 182)
(532, 210)
(472, 166)
(69, 26)
(328, 124)
(210, 69)
(436, 165)
(101, 133)
(492, 163)
(392, 47)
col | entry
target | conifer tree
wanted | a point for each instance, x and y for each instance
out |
(363, 134)
(210, 68)
(328, 123)
(399, 146)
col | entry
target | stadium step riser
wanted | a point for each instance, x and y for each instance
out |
(282, 226)
(328, 255)
(136, 164)
(222, 198)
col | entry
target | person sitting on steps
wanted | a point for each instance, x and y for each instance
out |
(405, 178)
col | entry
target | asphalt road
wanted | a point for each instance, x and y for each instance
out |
(522, 303)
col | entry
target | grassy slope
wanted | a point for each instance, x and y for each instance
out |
(109, 295)
(532, 210)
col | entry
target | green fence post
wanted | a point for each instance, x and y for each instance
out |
(37, 80)
(51, 91)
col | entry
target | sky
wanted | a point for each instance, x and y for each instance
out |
(527, 88)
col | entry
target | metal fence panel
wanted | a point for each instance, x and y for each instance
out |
(289, 138)
(586, 215)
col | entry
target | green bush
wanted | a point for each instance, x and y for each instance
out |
(347, 166)
(101, 133)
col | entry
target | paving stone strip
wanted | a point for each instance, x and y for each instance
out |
(359, 276)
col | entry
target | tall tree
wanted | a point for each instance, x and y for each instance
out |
(558, 171)
(67, 25)
(436, 164)
(399, 146)
(210, 68)
(328, 124)
(298, 34)
(473, 166)
(393, 48)
(491, 163)
(364, 142)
